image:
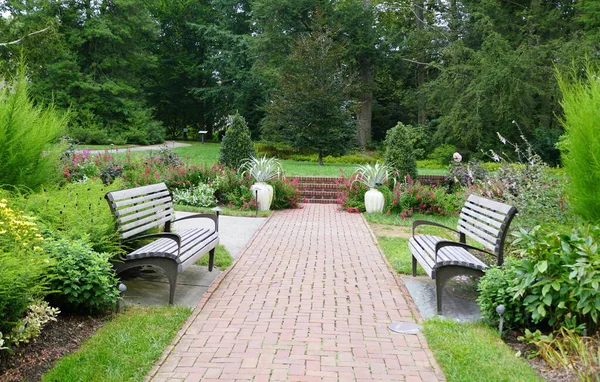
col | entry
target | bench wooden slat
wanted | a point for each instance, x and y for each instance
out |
(477, 235)
(136, 191)
(165, 202)
(490, 225)
(492, 214)
(119, 203)
(503, 208)
(154, 224)
(157, 216)
(141, 214)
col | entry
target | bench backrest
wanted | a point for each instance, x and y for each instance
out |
(142, 208)
(486, 221)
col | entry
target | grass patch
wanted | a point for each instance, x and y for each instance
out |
(380, 218)
(474, 352)
(397, 253)
(125, 348)
(222, 258)
(197, 153)
(225, 211)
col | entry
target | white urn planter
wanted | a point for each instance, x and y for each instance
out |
(264, 197)
(374, 200)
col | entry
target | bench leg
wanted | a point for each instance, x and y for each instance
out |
(211, 259)
(167, 265)
(414, 266)
(443, 274)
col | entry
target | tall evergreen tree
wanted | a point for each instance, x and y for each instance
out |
(310, 110)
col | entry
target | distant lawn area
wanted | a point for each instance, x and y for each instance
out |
(208, 154)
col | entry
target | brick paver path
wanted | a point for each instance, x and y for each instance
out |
(310, 299)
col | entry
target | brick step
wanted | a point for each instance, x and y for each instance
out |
(317, 179)
(319, 194)
(317, 186)
(320, 201)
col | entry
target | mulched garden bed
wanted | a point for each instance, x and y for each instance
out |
(30, 361)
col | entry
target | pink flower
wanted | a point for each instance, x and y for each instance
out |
(457, 157)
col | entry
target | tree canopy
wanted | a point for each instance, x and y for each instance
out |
(463, 70)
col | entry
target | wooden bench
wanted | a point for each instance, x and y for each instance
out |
(483, 220)
(140, 209)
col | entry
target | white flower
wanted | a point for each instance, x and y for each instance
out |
(502, 139)
(457, 157)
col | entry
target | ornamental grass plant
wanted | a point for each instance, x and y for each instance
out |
(28, 136)
(581, 144)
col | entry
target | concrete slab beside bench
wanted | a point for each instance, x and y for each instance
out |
(483, 220)
(140, 209)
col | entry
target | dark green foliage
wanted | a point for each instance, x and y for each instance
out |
(310, 110)
(399, 153)
(466, 174)
(27, 132)
(442, 154)
(581, 146)
(82, 280)
(498, 286)
(558, 279)
(236, 147)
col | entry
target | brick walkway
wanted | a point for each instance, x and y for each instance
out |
(309, 299)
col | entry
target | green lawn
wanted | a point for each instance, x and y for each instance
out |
(222, 258)
(380, 218)
(124, 349)
(473, 352)
(209, 154)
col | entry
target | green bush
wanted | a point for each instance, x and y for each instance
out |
(203, 195)
(82, 280)
(581, 144)
(236, 146)
(558, 278)
(28, 136)
(399, 153)
(431, 164)
(279, 150)
(443, 154)
(498, 286)
(75, 211)
(24, 266)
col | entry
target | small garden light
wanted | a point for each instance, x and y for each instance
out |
(500, 309)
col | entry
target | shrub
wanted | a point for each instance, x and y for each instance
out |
(496, 287)
(411, 197)
(274, 149)
(203, 195)
(466, 175)
(23, 263)
(442, 154)
(28, 135)
(286, 193)
(581, 145)
(76, 211)
(236, 146)
(351, 194)
(399, 153)
(39, 313)
(559, 276)
(83, 280)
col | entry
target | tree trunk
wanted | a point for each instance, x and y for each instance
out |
(365, 114)
(421, 115)
(366, 102)
(320, 160)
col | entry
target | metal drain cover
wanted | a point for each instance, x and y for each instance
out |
(405, 327)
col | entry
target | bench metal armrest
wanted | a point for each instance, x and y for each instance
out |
(213, 217)
(165, 235)
(447, 243)
(417, 223)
